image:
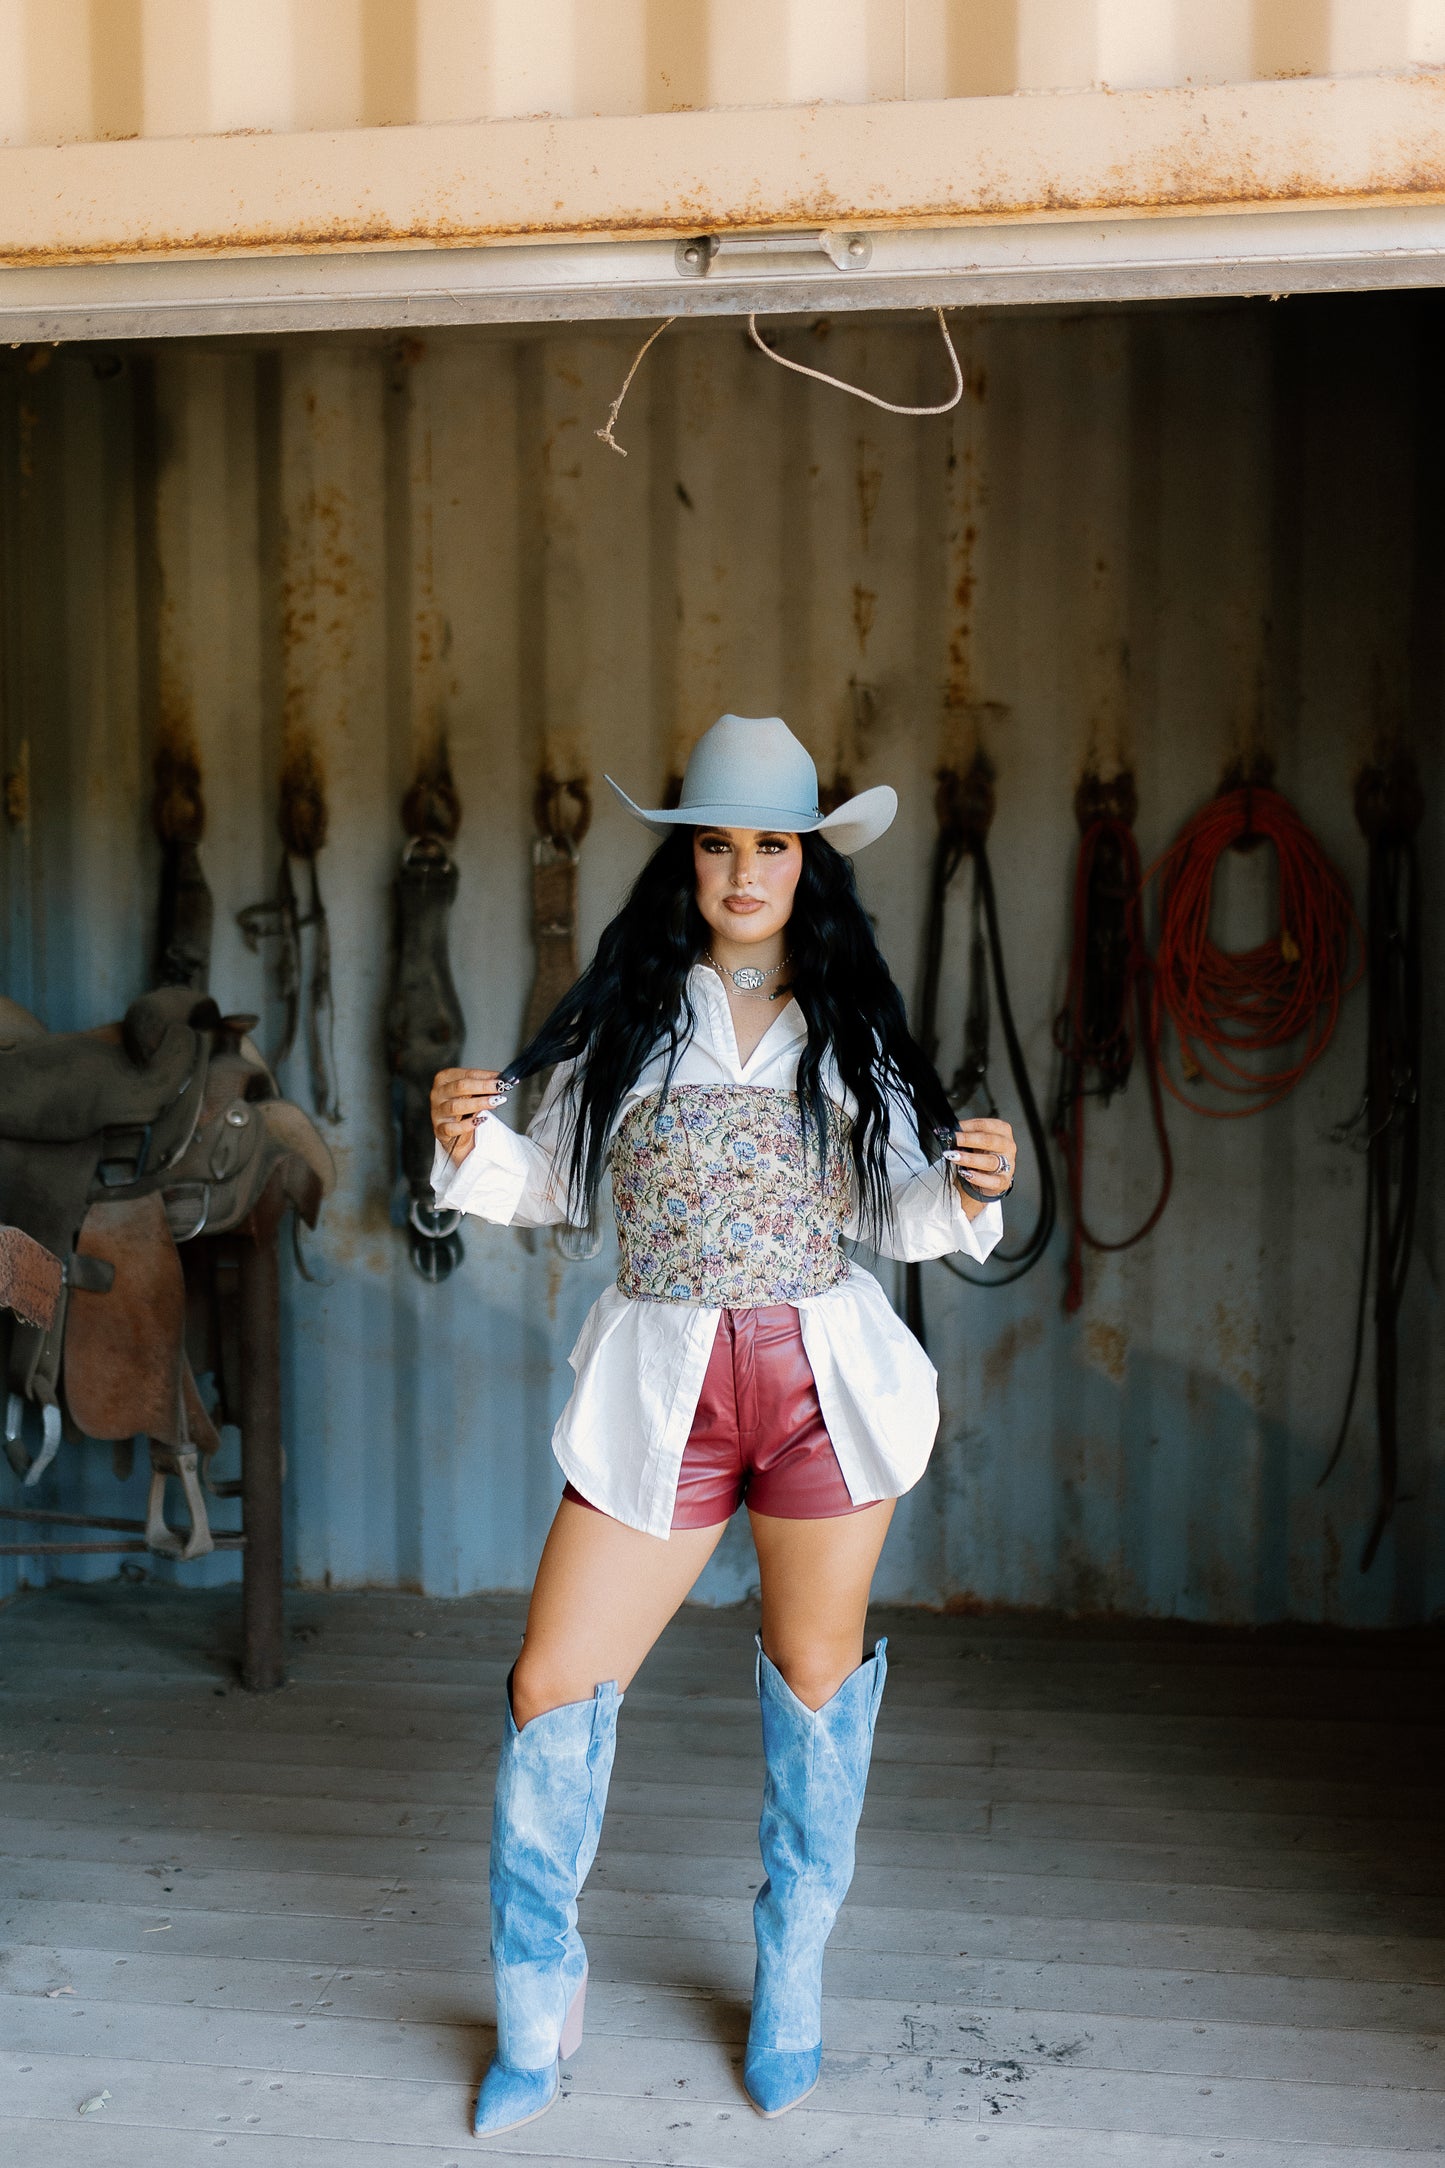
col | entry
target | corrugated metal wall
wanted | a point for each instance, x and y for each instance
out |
(75, 70)
(1151, 537)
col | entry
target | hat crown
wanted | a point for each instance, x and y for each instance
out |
(752, 759)
(749, 771)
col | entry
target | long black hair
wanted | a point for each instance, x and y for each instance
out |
(632, 1002)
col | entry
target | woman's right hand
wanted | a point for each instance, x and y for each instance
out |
(458, 1098)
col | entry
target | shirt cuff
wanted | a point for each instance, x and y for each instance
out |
(973, 1238)
(981, 1235)
(490, 1180)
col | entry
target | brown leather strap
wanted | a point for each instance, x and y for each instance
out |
(30, 1278)
(563, 812)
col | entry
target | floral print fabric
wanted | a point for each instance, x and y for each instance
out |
(719, 1202)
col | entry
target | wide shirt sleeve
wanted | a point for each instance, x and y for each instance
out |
(928, 1215)
(519, 1181)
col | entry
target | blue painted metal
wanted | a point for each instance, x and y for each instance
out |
(362, 545)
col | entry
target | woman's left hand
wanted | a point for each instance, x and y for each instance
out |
(986, 1152)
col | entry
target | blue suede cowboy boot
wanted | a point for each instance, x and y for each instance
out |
(812, 1798)
(551, 1792)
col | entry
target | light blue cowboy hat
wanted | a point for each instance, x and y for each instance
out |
(749, 771)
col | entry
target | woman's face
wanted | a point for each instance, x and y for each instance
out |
(745, 880)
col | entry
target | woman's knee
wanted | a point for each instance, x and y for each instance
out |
(815, 1669)
(539, 1685)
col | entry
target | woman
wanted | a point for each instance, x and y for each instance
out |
(738, 1057)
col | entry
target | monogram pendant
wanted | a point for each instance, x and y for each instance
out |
(749, 980)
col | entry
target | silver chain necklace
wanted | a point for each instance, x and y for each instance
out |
(747, 978)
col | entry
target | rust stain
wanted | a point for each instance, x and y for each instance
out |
(317, 606)
(1237, 1336)
(1184, 177)
(865, 605)
(1018, 1336)
(965, 588)
(868, 481)
(175, 720)
(1107, 1348)
(303, 818)
(16, 788)
(178, 806)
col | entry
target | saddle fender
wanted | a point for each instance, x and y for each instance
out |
(125, 1362)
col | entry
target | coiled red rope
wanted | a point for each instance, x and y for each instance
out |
(1234, 1008)
(1106, 1017)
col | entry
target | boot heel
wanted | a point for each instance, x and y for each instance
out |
(572, 2025)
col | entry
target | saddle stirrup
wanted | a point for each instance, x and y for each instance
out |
(50, 1436)
(15, 1451)
(165, 1541)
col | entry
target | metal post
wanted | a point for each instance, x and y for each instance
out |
(261, 1605)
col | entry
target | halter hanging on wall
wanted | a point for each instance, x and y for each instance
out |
(424, 1022)
(302, 819)
(1106, 1017)
(1389, 804)
(965, 807)
(562, 814)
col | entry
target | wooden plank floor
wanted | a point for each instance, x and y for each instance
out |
(1146, 1899)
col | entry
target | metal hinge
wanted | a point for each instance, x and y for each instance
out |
(845, 251)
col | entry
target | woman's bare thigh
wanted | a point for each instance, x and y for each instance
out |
(603, 1594)
(816, 1578)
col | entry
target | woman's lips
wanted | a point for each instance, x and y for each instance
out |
(742, 903)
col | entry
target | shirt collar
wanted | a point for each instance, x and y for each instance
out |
(711, 1000)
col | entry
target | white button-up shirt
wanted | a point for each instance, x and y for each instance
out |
(639, 1365)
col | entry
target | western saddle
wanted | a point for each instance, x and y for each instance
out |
(118, 1147)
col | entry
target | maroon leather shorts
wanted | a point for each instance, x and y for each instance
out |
(758, 1432)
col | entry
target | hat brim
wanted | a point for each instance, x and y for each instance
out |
(849, 827)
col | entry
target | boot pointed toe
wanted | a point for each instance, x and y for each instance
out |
(778, 2078)
(509, 2098)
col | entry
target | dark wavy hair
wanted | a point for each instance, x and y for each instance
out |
(632, 1002)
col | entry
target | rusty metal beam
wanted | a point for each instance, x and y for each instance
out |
(915, 163)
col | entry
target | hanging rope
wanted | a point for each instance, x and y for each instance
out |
(1389, 806)
(1105, 1019)
(820, 376)
(605, 432)
(1234, 1008)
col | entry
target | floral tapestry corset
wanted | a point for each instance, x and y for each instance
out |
(718, 1201)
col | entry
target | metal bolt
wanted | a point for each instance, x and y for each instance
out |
(856, 247)
(690, 255)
